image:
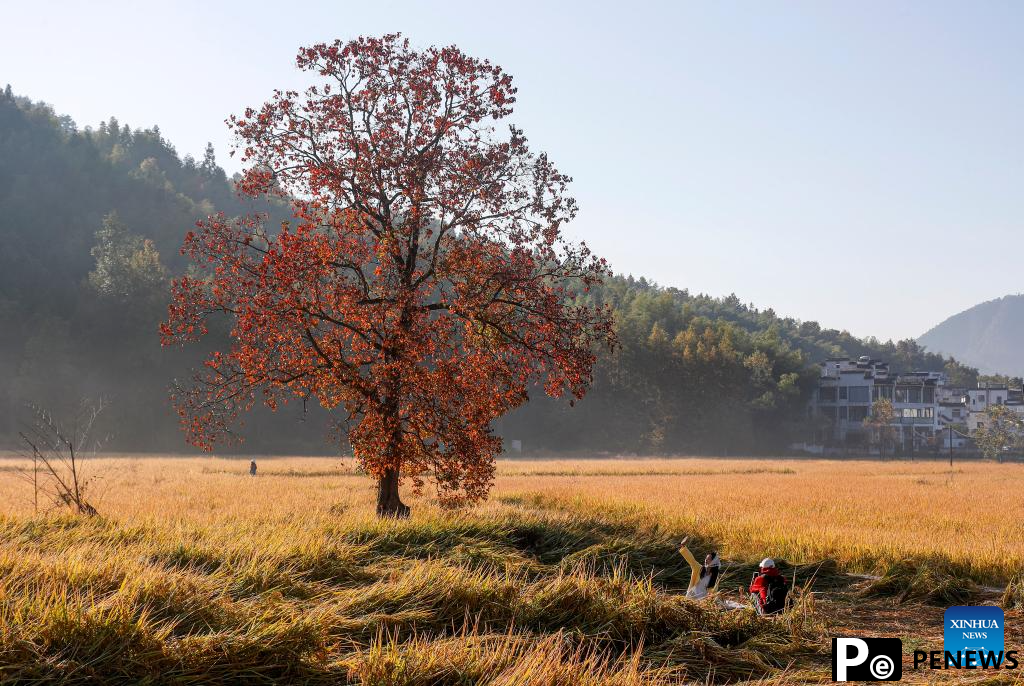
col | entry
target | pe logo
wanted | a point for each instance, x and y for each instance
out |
(973, 632)
(867, 659)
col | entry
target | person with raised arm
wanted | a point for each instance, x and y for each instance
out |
(703, 577)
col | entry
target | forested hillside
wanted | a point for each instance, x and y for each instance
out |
(91, 220)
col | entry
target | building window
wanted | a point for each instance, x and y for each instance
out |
(844, 412)
(911, 394)
(918, 412)
(858, 394)
(881, 393)
(956, 413)
(842, 393)
(858, 413)
(929, 394)
(827, 394)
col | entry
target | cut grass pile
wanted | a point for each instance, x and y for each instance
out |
(933, 581)
(511, 597)
(1013, 595)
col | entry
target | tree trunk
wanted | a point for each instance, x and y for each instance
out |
(389, 504)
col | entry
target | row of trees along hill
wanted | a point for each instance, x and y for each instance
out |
(699, 374)
(84, 282)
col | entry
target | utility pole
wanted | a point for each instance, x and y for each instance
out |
(950, 446)
(903, 436)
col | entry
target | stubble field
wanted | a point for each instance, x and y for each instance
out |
(196, 572)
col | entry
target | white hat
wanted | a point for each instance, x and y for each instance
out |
(767, 562)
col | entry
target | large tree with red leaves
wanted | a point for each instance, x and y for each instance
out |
(425, 283)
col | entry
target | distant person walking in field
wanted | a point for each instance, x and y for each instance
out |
(252, 468)
(768, 589)
(703, 577)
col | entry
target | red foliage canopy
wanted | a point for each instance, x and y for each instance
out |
(425, 283)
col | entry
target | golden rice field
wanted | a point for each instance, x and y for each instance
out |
(195, 572)
(857, 512)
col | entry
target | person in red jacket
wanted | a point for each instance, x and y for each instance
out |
(768, 589)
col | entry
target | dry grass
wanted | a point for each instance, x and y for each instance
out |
(197, 573)
(863, 514)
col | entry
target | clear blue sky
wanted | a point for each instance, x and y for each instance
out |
(857, 163)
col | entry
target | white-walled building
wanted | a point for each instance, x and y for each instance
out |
(987, 394)
(848, 389)
(976, 420)
(928, 412)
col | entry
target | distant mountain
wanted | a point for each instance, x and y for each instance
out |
(988, 336)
